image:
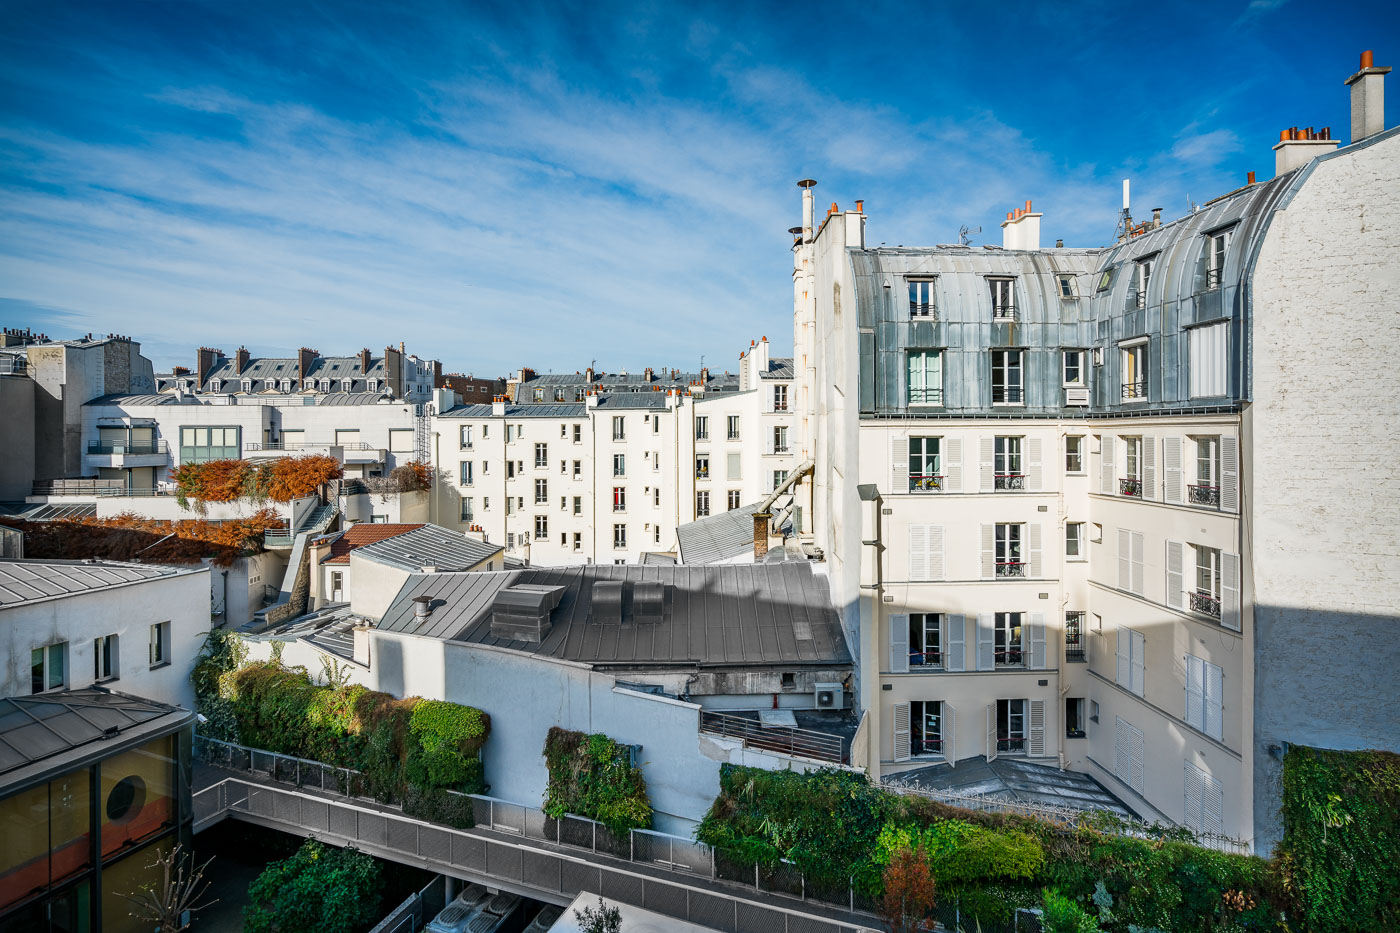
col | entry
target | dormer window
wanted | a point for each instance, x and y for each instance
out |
(247, 385)
(372, 385)
(184, 385)
(1003, 299)
(214, 385)
(1143, 275)
(921, 298)
(347, 385)
(1216, 244)
(325, 385)
(286, 385)
(1066, 286)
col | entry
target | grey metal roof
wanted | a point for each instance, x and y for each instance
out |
(36, 727)
(656, 559)
(757, 615)
(565, 410)
(44, 512)
(778, 368)
(290, 400)
(1019, 780)
(430, 544)
(651, 400)
(716, 538)
(27, 581)
(142, 400)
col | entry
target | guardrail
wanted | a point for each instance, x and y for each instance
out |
(787, 740)
(302, 445)
(135, 447)
(92, 487)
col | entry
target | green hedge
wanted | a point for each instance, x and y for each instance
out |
(319, 887)
(1341, 841)
(410, 750)
(592, 776)
(835, 825)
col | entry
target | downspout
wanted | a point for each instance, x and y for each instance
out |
(872, 588)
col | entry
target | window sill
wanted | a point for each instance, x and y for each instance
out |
(156, 667)
(1076, 735)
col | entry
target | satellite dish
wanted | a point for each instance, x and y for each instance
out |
(965, 234)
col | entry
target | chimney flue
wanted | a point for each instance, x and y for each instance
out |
(422, 607)
(1367, 98)
(760, 534)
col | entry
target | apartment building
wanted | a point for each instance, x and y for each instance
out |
(1041, 477)
(397, 374)
(610, 477)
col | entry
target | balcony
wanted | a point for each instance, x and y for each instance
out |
(1014, 482)
(925, 482)
(1212, 279)
(1205, 604)
(785, 740)
(1074, 651)
(1008, 395)
(92, 488)
(1003, 312)
(1011, 744)
(923, 309)
(926, 659)
(926, 747)
(1135, 391)
(1012, 657)
(1130, 487)
(122, 455)
(1011, 568)
(1203, 495)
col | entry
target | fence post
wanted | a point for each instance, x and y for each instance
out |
(631, 845)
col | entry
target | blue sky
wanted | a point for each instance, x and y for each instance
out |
(540, 185)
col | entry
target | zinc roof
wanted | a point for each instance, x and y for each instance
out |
(28, 581)
(564, 410)
(779, 368)
(757, 615)
(717, 538)
(429, 544)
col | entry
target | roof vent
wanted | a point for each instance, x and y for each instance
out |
(422, 607)
(522, 612)
(648, 602)
(607, 601)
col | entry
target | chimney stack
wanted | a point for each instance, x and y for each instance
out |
(760, 534)
(1367, 98)
(240, 360)
(305, 357)
(365, 360)
(1021, 229)
(809, 207)
(1297, 147)
(206, 358)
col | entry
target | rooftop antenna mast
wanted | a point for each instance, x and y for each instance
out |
(965, 235)
(1125, 219)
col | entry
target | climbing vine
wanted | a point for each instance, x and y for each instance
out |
(593, 776)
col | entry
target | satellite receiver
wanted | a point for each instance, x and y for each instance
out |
(965, 234)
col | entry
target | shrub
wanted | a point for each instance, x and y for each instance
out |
(908, 897)
(592, 776)
(1059, 914)
(280, 480)
(413, 476)
(318, 888)
(133, 538)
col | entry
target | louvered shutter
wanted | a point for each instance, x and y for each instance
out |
(1108, 467)
(1125, 559)
(1137, 642)
(989, 552)
(1033, 539)
(1149, 467)
(1195, 701)
(1122, 674)
(1121, 767)
(918, 552)
(954, 642)
(899, 465)
(1135, 750)
(1171, 465)
(901, 732)
(1229, 474)
(1139, 563)
(986, 642)
(899, 643)
(1213, 707)
(950, 748)
(768, 442)
(1212, 806)
(1037, 717)
(987, 464)
(952, 464)
(1037, 640)
(1230, 591)
(991, 732)
(1033, 467)
(1191, 797)
(933, 569)
(766, 393)
(1175, 575)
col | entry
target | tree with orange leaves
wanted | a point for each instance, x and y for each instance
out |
(909, 893)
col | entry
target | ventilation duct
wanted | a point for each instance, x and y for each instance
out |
(648, 602)
(522, 612)
(607, 602)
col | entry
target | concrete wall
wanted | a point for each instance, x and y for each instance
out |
(371, 586)
(17, 416)
(1326, 490)
(126, 611)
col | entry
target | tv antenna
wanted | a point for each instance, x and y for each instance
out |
(965, 234)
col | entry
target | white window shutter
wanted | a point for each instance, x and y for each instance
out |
(1149, 467)
(768, 442)
(918, 552)
(1033, 468)
(899, 465)
(1230, 591)
(987, 464)
(1175, 575)
(991, 732)
(901, 732)
(1191, 797)
(1194, 697)
(1139, 564)
(1213, 707)
(1137, 643)
(1037, 729)
(766, 393)
(899, 643)
(1121, 768)
(986, 642)
(933, 569)
(1171, 465)
(1121, 675)
(1108, 468)
(1037, 640)
(989, 552)
(1212, 806)
(1125, 559)
(954, 642)
(1229, 474)
(1034, 550)
(950, 747)
(952, 464)
(1135, 766)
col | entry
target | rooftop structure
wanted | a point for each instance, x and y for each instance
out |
(32, 581)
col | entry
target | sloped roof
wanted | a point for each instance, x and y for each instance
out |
(717, 538)
(361, 534)
(548, 410)
(779, 368)
(757, 615)
(441, 547)
(33, 728)
(27, 581)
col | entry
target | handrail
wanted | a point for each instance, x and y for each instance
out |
(302, 445)
(803, 743)
(132, 447)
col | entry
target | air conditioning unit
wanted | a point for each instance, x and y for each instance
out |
(1077, 396)
(830, 696)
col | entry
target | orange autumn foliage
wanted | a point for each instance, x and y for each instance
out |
(131, 537)
(282, 480)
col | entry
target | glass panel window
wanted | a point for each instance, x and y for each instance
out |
(1073, 367)
(619, 536)
(1008, 551)
(578, 505)
(1131, 483)
(1074, 453)
(780, 398)
(780, 439)
(578, 541)
(702, 466)
(921, 298)
(1007, 384)
(925, 473)
(104, 657)
(619, 499)
(619, 464)
(1074, 717)
(160, 644)
(48, 667)
(702, 503)
(1206, 598)
(732, 426)
(138, 796)
(1006, 465)
(541, 491)
(1011, 726)
(464, 475)
(1009, 636)
(1003, 298)
(1215, 258)
(1144, 276)
(1206, 489)
(541, 527)
(734, 496)
(1074, 541)
(702, 427)
(926, 728)
(199, 445)
(541, 455)
(465, 434)
(1135, 372)
(1067, 286)
(1074, 636)
(925, 377)
(619, 428)
(925, 649)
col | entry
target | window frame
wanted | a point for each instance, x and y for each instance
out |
(1077, 453)
(702, 503)
(1008, 549)
(159, 646)
(106, 648)
(1079, 381)
(1074, 532)
(46, 667)
(1008, 361)
(929, 627)
(619, 537)
(1133, 369)
(920, 718)
(925, 469)
(732, 428)
(923, 296)
(702, 427)
(1003, 304)
(923, 394)
(1009, 648)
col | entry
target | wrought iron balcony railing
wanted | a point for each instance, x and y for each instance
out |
(926, 396)
(1203, 495)
(1205, 603)
(1011, 743)
(1011, 568)
(1074, 652)
(1135, 391)
(926, 747)
(1003, 312)
(1212, 279)
(1011, 481)
(923, 309)
(925, 482)
(1130, 487)
(1012, 657)
(1008, 395)
(925, 659)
